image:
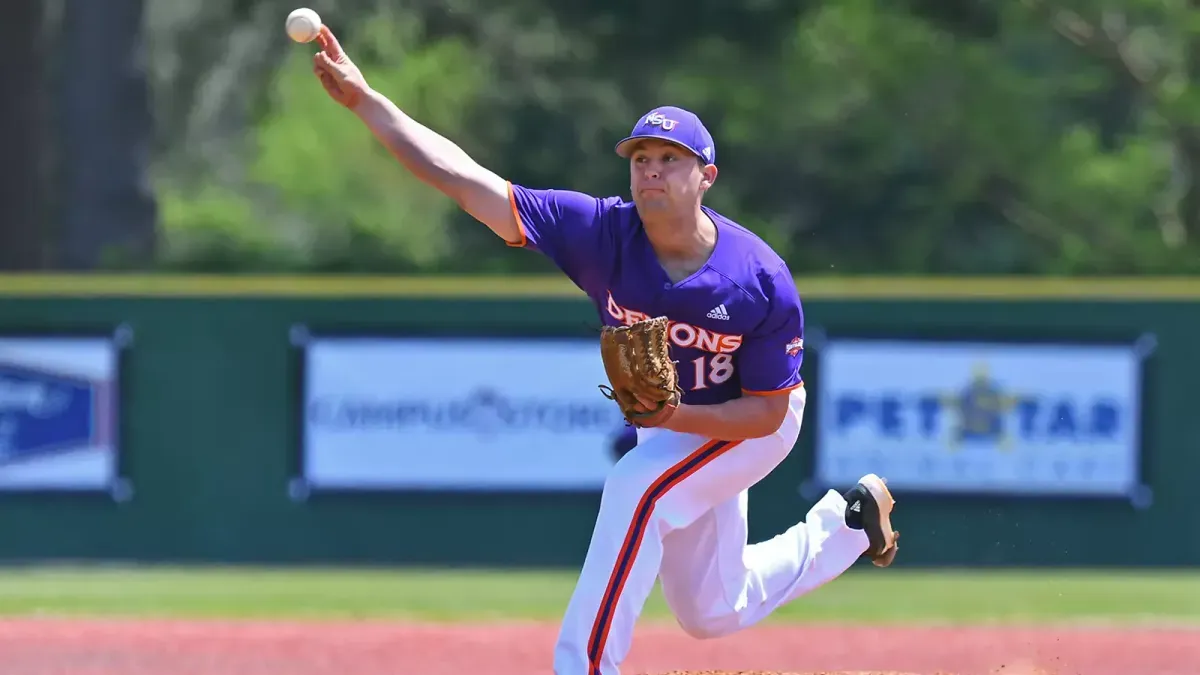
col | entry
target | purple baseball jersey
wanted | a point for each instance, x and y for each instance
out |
(736, 325)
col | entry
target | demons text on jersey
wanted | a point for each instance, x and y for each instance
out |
(682, 334)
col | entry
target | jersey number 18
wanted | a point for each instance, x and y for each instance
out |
(716, 369)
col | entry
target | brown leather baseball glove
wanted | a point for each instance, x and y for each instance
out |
(638, 362)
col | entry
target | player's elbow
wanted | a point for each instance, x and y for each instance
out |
(769, 414)
(485, 196)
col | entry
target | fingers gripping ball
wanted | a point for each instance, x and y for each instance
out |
(303, 25)
(638, 363)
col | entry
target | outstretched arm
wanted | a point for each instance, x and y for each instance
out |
(430, 157)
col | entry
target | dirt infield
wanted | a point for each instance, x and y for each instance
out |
(67, 647)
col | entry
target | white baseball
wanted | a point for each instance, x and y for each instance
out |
(303, 25)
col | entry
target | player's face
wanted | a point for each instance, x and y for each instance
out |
(665, 177)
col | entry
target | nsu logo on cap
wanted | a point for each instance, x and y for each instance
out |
(660, 120)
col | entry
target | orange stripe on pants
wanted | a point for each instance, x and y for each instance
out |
(633, 540)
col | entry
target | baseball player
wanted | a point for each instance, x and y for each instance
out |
(674, 507)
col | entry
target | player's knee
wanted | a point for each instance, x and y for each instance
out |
(702, 629)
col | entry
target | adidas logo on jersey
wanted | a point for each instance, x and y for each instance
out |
(683, 335)
(719, 312)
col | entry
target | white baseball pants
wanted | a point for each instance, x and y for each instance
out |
(675, 507)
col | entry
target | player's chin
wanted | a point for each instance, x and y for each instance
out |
(652, 201)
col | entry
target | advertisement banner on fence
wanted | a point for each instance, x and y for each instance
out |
(980, 418)
(57, 413)
(455, 413)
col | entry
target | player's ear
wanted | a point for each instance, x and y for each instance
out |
(708, 176)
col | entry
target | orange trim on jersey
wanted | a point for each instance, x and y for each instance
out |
(512, 203)
(633, 541)
(774, 392)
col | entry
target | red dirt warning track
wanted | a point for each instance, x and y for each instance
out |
(92, 647)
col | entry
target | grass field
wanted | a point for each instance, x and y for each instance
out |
(930, 597)
(248, 621)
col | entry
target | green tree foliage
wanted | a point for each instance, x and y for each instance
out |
(857, 136)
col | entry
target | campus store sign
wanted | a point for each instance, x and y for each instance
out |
(461, 414)
(58, 414)
(981, 418)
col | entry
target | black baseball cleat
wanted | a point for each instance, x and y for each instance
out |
(869, 508)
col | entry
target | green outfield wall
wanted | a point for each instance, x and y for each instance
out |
(210, 406)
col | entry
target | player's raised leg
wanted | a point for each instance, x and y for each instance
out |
(716, 585)
(664, 484)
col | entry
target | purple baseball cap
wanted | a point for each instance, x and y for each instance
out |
(676, 125)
